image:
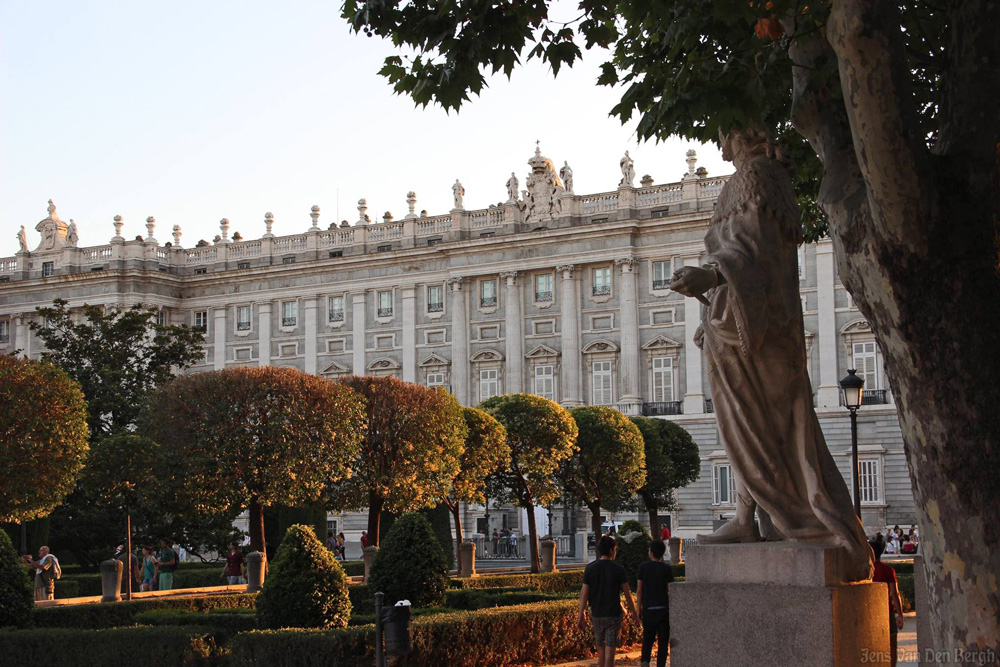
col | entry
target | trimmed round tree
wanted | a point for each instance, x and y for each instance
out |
(17, 598)
(672, 461)
(253, 437)
(607, 467)
(410, 563)
(306, 587)
(541, 435)
(410, 453)
(43, 437)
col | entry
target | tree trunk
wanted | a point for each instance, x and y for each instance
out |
(256, 525)
(595, 521)
(128, 550)
(536, 560)
(654, 522)
(375, 505)
(456, 515)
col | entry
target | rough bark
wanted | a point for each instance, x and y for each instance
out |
(256, 525)
(654, 519)
(916, 235)
(375, 505)
(536, 560)
(455, 510)
(595, 520)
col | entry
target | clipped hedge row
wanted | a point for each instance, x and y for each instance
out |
(221, 621)
(549, 582)
(906, 591)
(118, 614)
(65, 647)
(537, 634)
(189, 575)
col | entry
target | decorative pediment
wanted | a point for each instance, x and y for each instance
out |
(857, 326)
(334, 368)
(434, 360)
(661, 343)
(486, 355)
(383, 364)
(541, 352)
(600, 346)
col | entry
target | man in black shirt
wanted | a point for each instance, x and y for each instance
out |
(653, 577)
(603, 583)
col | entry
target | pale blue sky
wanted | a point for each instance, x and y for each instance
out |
(194, 111)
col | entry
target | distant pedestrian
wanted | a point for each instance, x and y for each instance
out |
(166, 563)
(664, 532)
(135, 569)
(654, 577)
(364, 539)
(235, 569)
(148, 569)
(47, 570)
(604, 581)
(885, 574)
(342, 546)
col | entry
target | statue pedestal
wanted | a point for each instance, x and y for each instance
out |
(774, 603)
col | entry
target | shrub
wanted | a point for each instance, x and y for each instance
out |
(906, 592)
(158, 647)
(549, 582)
(633, 548)
(17, 596)
(222, 622)
(306, 586)
(410, 564)
(440, 520)
(118, 614)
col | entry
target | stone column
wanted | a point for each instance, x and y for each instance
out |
(264, 333)
(513, 334)
(569, 309)
(21, 340)
(459, 341)
(629, 371)
(358, 329)
(409, 334)
(828, 394)
(219, 338)
(694, 397)
(311, 333)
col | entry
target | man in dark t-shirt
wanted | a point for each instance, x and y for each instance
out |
(654, 577)
(603, 583)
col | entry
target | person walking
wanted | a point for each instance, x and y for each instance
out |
(342, 546)
(364, 539)
(46, 572)
(887, 575)
(165, 566)
(235, 569)
(652, 597)
(604, 581)
(148, 569)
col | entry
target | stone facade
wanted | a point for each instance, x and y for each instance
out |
(555, 293)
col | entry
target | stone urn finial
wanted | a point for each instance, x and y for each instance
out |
(314, 214)
(362, 208)
(224, 228)
(268, 224)
(177, 235)
(411, 202)
(118, 222)
(150, 226)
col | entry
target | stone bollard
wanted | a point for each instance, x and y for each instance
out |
(548, 554)
(111, 581)
(256, 569)
(467, 559)
(580, 547)
(676, 550)
(369, 555)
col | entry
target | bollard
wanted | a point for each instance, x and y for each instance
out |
(580, 547)
(256, 569)
(467, 559)
(676, 550)
(396, 628)
(368, 553)
(548, 554)
(111, 581)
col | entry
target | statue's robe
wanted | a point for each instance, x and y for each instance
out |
(756, 360)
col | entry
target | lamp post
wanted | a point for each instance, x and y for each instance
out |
(852, 386)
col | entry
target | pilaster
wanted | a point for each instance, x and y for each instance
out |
(311, 333)
(459, 341)
(514, 336)
(828, 394)
(569, 304)
(694, 397)
(358, 332)
(629, 371)
(219, 337)
(409, 334)
(263, 333)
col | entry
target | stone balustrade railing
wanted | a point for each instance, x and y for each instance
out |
(362, 238)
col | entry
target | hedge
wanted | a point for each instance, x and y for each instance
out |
(188, 575)
(536, 634)
(906, 592)
(118, 614)
(549, 582)
(223, 622)
(153, 647)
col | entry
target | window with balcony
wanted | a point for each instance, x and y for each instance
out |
(543, 287)
(384, 303)
(723, 484)
(336, 309)
(663, 379)
(48, 268)
(601, 383)
(243, 318)
(201, 320)
(435, 298)
(545, 385)
(602, 281)
(489, 383)
(871, 483)
(661, 274)
(289, 313)
(866, 361)
(488, 294)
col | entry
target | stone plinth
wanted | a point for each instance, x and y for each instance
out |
(548, 555)
(771, 604)
(467, 559)
(676, 545)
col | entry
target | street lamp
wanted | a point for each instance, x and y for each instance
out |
(852, 386)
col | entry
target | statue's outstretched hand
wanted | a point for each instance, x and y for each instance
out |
(699, 337)
(693, 281)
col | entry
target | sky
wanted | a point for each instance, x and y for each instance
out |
(195, 111)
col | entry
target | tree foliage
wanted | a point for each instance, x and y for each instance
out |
(250, 437)
(671, 462)
(121, 469)
(118, 355)
(17, 598)
(608, 465)
(410, 563)
(541, 435)
(633, 548)
(43, 437)
(305, 587)
(410, 452)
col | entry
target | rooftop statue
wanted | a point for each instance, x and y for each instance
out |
(459, 191)
(512, 185)
(22, 240)
(751, 333)
(628, 171)
(566, 174)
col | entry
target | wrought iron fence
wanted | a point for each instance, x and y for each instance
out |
(662, 408)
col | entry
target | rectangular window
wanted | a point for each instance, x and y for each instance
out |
(336, 304)
(602, 281)
(870, 486)
(865, 360)
(201, 320)
(336, 253)
(487, 293)
(543, 287)
(602, 383)
(661, 274)
(723, 484)
(243, 318)
(435, 298)
(242, 265)
(200, 272)
(489, 384)
(48, 268)
(161, 318)
(435, 379)
(431, 242)
(4, 331)
(385, 248)
(289, 313)
(545, 385)
(663, 379)
(287, 260)
(385, 303)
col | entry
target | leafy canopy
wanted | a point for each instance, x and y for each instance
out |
(486, 451)
(671, 461)
(607, 467)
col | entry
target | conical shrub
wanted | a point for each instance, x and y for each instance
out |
(410, 564)
(17, 597)
(306, 587)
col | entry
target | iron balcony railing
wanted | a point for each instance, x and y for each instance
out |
(661, 408)
(385, 312)
(243, 326)
(289, 321)
(874, 397)
(336, 316)
(435, 307)
(709, 405)
(543, 296)
(487, 302)
(602, 290)
(661, 284)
